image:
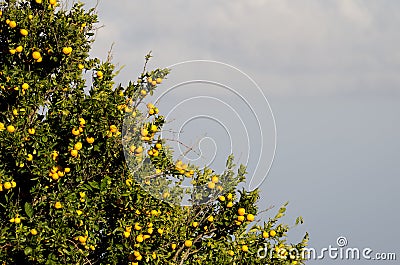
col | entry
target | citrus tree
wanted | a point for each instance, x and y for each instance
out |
(84, 174)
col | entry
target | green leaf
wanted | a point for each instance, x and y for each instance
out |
(28, 209)
(28, 251)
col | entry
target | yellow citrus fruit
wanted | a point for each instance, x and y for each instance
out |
(240, 218)
(58, 205)
(36, 55)
(211, 185)
(75, 132)
(29, 157)
(17, 220)
(158, 146)
(12, 220)
(195, 224)
(127, 234)
(272, 233)
(10, 128)
(210, 218)
(78, 146)
(39, 60)
(12, 24)
(160, 231)
(19, 48)
(25, 86)
(214, 179)
(113, 129)
(231, 253)
(159, 80)
(38, 1)
(34, 232)
(82, 239)
(241, 211)
(173, 246)
(221, 198)
(188, 243)
(139, 238)
(74, 153)
(229, 196)
(265, 234)
(144, 132)
(153, 128)
(229, 205)
(7, 185)
(30, 17)
(53, 2)
(13, 184)
(143, 92)
(90, 140)
(99, 74)
(149, 79)
(245, 248)
(81, 66)
(250, 217)
(67, 170)
(23, 32)
(67, 50)
(154, 83)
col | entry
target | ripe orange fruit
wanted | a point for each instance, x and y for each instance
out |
(240, 218)
(245, 248)
(19, 48)
(229, 196)
(127, 234)
(29, 157)
(195, 224)
(74, 153)
(250, 217)
(113, 129)
(90, 140)
(173, 246)
(58, 205)
(99, 74)
(34, 232)
(10, 128)
(159, 80)
(36, 55)
(229, 205)
(221, 198)
(211, 185)
(139, 238)
(82, 239)
(23, 32)
(78, 146)
(75, 132)
(7, 185)
(272, 233)
(67, 50)
(188, 243)
(53, 2)
(25, 86)
(17, 220)
(265, 234)
(241, 211)
(210, 218)
(38, 1)
(12, 24)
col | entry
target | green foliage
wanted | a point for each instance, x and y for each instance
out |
(74, 167)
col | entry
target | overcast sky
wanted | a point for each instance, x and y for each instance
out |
(330, 72)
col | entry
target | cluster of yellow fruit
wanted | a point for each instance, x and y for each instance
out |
(183, 169)
(8, 185)
(10, 128)
(37, 56)
(155, 150)
(241, 216)
(213, 182)
(137, 151)
(52, 2)
(152, 110)
(113, 131)
(271, 233)
(57, 171)
(16, 219)
(84, 240)
(153, 82)
(229, 197)
(148, 131)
